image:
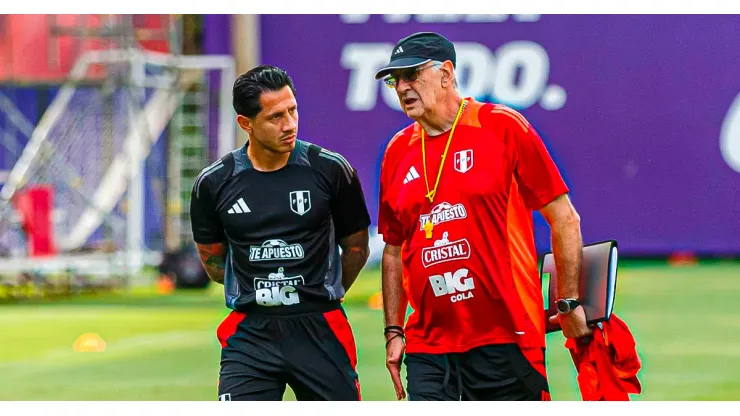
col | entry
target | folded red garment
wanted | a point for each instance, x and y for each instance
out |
(607, 362)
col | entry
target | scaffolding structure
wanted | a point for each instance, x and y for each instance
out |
(156, 92)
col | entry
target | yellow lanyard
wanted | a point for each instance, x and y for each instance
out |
(428, 226)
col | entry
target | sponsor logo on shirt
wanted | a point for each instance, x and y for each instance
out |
(275, 250)
(411, 175)
(443, 212)
(445, 250)
(277, 289)
(458, 285)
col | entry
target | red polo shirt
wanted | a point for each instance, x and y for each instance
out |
(476, 281)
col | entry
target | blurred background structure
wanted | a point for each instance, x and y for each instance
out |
(105, 120)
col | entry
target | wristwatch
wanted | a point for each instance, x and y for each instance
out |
(567, 305)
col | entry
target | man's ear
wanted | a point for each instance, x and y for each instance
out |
(245, 123)
(448, 75)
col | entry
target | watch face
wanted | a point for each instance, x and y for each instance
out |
(563, 306)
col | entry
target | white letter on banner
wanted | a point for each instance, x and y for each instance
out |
(354, 18)
(486, 18)
(729, 141)
(439, 18)
(363, 60)
(397, 18)
(535, 70)
(475, 62)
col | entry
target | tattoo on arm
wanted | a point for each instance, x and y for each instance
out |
(355, 251)
(213, 258)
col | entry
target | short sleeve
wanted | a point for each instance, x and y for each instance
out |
(537, 175)
(204, 220)
(348, 207)
(388, 224)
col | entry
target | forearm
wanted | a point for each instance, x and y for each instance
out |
(213, 258)
(355, 251)
(394, 297)
(567, 249)
(353, 260)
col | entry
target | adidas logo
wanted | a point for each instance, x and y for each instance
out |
(239, 207)
(399, 50)
(411, 175)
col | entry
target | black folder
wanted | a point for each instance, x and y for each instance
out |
(598, 283)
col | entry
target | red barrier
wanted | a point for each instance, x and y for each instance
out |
(36, 205)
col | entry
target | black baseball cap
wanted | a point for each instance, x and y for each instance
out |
(416, 49)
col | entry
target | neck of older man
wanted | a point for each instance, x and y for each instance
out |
(440, 119)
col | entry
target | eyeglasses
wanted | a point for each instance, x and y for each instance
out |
(406, 74)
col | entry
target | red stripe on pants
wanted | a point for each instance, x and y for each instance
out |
(343, 331)
(227, 328)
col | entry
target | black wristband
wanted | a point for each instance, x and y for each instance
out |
(393, 328)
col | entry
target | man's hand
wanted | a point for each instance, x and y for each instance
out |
(393, 356)
(573, 323)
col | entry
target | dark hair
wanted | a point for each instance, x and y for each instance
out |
(250, 85)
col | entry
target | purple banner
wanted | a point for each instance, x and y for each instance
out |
(641, 113)
(216, 41)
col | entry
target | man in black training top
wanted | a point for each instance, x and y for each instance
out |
(268, 220)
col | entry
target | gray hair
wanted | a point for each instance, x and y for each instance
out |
(438, 64)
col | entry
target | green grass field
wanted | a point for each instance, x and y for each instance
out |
(685, 321)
